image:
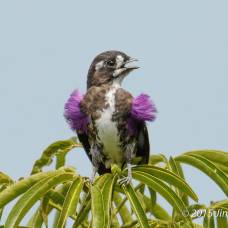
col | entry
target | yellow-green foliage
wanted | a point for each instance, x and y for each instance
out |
(105, 203)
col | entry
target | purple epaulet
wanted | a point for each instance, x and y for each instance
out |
(143, 108)
(77, 120)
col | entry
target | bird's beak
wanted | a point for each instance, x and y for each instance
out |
(128, 64)
(126, 68)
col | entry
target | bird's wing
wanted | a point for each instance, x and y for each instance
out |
(133, 112)
(142, 145)
(142, 110)
(79, 122)
(84, 139)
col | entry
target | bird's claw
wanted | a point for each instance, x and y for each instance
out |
(91, 180)
(125, 180)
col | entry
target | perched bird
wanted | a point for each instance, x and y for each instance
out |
(109, 121)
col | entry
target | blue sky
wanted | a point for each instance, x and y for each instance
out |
(46, 48)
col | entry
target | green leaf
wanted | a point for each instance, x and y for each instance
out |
(61, 158)
(59, 209)
(56, 201)
(36, 220)
(222, 221)
(23, 185)
(83, 211)
(121, 208)
(221, 174)
(71, 201)
(208, 221)
(33, 195)
(105, 183)
(18, 227)
(56, 197)
(56, 148)
(157, 158)
(141, 199)
(177, 169)
(62, 191)
(219, 158)
(136, 206)
(157, 185)
(156, 210)
(5, 179)
(208, 168)
(118, 189)
(223, 204)
(1, 213)
(130, 224)
(98, 212)
(153, 197)
(107, 190)
(115, 223)
(195, 208)
(197, 225)
(220, 209)
(168, 177)
(44, 209)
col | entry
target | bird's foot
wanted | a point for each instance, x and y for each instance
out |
(91, 180)
(93, 175)
(126, 180)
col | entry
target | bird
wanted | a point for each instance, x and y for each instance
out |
(110, 123)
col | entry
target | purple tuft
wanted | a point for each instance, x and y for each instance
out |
(75, 117)
(143, 108)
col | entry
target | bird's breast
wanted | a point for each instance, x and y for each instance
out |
(108, 132)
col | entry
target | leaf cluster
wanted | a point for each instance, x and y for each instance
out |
(106, 203)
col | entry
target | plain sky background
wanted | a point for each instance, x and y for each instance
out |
(46, 48)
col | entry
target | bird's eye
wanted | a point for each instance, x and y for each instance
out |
(110, 63)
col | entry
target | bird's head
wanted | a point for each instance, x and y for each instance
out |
(109, 67)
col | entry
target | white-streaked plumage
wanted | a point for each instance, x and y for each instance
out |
(107, 129)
